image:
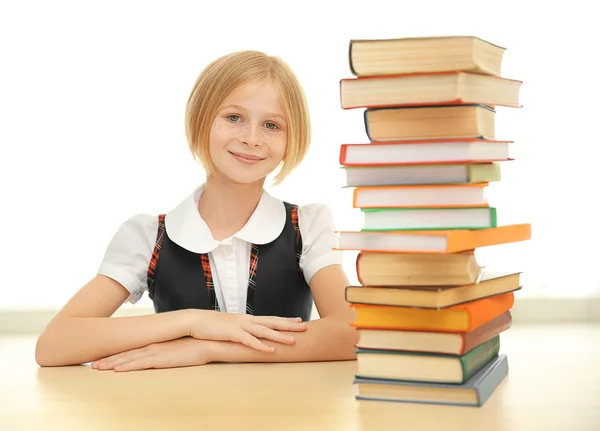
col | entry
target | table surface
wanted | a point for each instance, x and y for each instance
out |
(553, 384)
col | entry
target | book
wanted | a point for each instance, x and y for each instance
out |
(436, 151)
(425, 367)
(435, 297)
(432, 241)
(371, 57)
(357, 176)
(457, 318)
(408, 269)
(430, 195)
(452, 343)
(382, 219)
(447, 88)
(430, 122)
(474, 392)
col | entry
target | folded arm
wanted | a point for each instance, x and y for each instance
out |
(329, 338)
(83, 330)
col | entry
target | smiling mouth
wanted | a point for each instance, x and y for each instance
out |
(247, 157)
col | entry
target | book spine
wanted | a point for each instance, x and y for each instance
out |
(358, 275)
(350, 62)
(494, 217)
(487, 386)
(486, 332)
(478, 357)
(366, 121)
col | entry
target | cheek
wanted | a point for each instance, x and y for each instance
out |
(217, 138)
(279, 147)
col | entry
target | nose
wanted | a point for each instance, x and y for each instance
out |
(251, 136)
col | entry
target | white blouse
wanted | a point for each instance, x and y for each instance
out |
(129, 252)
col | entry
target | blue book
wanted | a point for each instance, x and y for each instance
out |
(474, 392)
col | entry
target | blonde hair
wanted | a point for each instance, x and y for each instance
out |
(224, 75)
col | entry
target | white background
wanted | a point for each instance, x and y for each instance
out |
(92, 97)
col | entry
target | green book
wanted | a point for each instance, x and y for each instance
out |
(388, 219)
(425, 367)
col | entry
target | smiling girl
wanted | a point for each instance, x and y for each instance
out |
(232, 271)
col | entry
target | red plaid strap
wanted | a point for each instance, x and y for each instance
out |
(210, 287)
(252, 279)
(155, 254)
(294, 212)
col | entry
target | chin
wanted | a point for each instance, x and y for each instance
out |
(231, 175)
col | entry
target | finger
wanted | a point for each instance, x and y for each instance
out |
(121, 359)
(144, 363)
(251, 341)
(260, 331)
(107, 359)
(279, 323)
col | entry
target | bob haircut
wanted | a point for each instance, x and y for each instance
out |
(224, 75)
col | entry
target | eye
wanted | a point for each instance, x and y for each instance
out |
(233, 118)
(271, 126)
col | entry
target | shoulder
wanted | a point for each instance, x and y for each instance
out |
(140, 225)
(137, 231)
(319, 240)
(315, 216)
(129, 251)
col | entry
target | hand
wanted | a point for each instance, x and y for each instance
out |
(244, 328)
(183, 352)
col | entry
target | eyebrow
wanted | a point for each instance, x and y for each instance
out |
(241, 108)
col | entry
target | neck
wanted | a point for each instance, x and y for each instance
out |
(226, 206)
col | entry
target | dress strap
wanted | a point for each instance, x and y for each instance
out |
(252, 279)
(155, 254)
(294, 214)
(210, 286)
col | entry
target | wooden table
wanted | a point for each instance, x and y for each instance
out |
(554, 385)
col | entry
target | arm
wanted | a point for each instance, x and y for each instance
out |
(329, 338)
(82, 330)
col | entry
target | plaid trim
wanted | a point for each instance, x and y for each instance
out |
(252, 279)
(155, 254)
(294, 214)
(210, 286)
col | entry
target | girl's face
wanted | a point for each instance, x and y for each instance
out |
(248, 137)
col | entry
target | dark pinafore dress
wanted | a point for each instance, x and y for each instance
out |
(180, 279)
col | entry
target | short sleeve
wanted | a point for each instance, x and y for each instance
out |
(128, 254)
(318, 239)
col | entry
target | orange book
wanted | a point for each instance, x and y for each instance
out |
(458, 318)
(432, 241)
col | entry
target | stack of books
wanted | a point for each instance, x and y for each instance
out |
(429, 315)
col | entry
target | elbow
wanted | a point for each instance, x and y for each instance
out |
(350, 341)
(46, 351)
(347, 337)
(41, 352)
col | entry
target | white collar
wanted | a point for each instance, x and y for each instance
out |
(185, 226)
